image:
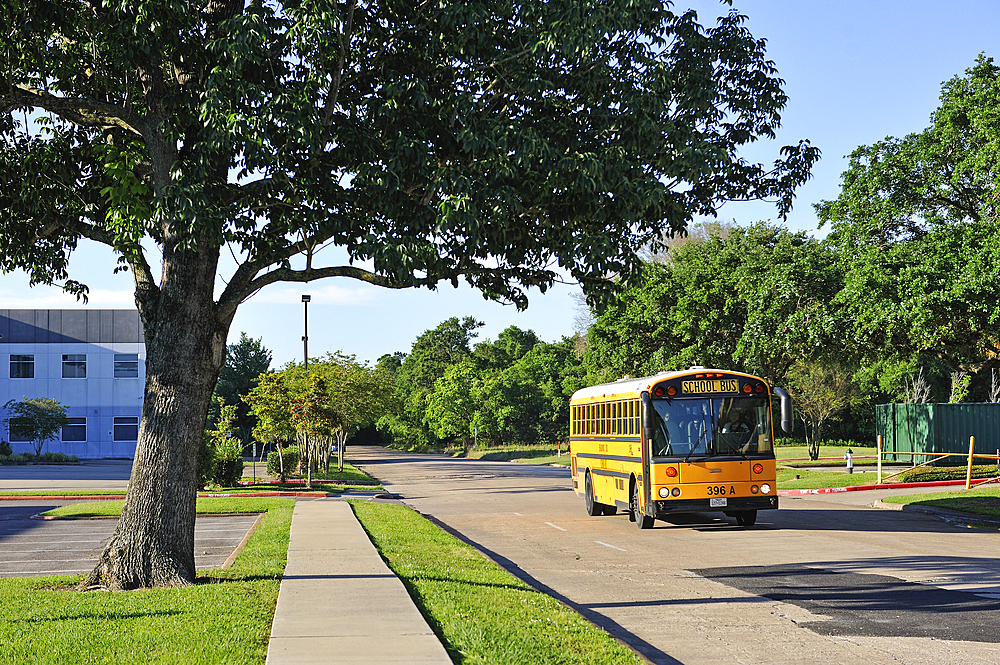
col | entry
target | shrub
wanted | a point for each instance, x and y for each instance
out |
(925, 474)
(57, 458)
(228, 462)
(206, 460)
(290, 455)
(5, 449)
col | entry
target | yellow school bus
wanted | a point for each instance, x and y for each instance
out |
(679, 442)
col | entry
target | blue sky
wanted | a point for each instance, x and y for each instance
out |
(855, 72)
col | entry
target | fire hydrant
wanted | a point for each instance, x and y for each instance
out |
(849, 456)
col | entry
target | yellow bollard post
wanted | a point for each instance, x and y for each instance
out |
(878, 451)
(968, 473)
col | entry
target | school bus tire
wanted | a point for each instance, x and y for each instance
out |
(746, 517)
(631, 493)
(642, 520)
(594, 509)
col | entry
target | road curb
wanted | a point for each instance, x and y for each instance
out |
(932, 510)
(884, 486)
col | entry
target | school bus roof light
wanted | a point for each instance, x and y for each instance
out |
(671, 472)
(747, 388)
(672, 390)
(758, 468)
(658, 391)
(759, 388)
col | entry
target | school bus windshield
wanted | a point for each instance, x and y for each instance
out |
(716, 426)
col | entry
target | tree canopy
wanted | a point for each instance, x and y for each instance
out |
(36, 419)
(496, 141)
(917, 223)
(753, 300)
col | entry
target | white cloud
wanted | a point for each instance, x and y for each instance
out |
(49, 297)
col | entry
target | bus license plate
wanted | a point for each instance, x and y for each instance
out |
(717, 503)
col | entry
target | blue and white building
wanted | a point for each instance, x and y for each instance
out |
(93, 362)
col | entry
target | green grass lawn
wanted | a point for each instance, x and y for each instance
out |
(979, 501)
(62, 493)
(785, 452)
(224, 618)
(809, 479)
(482, 613)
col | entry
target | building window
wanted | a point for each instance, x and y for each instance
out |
(18, 437)
(126, 428)
(75, 430)
(126, 365)
(74, 366)
(22, 366)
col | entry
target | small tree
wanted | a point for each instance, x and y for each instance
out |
(821, 390)
(270, 402)
(38, 419)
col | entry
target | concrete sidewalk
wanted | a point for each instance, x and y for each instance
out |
(339, 602)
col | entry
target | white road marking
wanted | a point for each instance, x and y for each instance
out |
(519, 514)
(555, 527)
(611, 546)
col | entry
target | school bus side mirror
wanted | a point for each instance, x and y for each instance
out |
(648, 415)
(786, 409)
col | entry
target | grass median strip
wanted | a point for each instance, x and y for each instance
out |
(224, 618)
(482, 613)
(983, 501)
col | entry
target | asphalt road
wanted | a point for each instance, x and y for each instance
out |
(825, 579)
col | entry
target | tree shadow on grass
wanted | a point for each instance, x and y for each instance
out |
(98, 613)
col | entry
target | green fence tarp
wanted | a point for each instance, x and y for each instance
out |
(938, 428)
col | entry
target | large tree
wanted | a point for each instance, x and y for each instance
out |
(918, 227)
(498, 141)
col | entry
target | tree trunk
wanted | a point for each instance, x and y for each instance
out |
(153, 544)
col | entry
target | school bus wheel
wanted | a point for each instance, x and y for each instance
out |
(593, 507)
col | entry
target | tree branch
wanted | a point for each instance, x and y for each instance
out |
(78, 110)
(231, 298)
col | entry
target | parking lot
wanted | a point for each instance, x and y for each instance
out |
(70, 547)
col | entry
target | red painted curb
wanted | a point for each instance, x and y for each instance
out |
(97, 497)
(884, 486)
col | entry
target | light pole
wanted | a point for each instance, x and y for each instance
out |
(305, 357)
(305, 329)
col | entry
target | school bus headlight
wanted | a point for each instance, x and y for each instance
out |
(676, 491)
(765, 489)
(664, 492)
(754, 489)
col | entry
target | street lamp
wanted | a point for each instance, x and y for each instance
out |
(305, 329)
(305, 356)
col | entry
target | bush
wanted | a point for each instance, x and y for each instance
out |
(290, 455)
(206, 460)
(5, 449)
(926, 474)
(56, 458)
(220, 461)
(228, 462)
(44, 458)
